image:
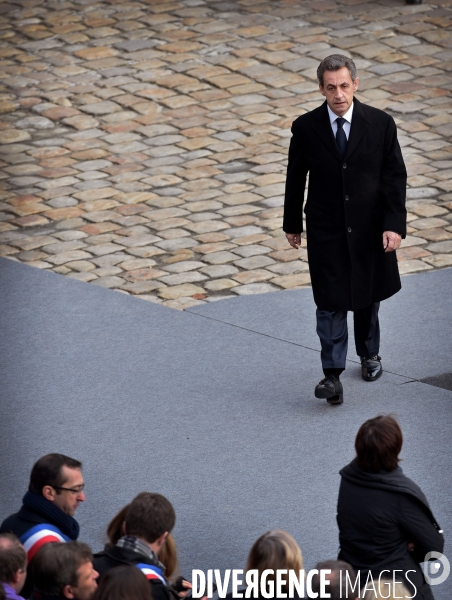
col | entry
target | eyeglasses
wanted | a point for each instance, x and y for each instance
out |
(74, 491)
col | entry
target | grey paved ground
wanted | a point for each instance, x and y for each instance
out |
(145, 142)
(213, 407)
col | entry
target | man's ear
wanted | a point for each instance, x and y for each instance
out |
(322, 89)
(67, 592)
(356, 84)
(161, 540)
(17, 575)
(48, 492)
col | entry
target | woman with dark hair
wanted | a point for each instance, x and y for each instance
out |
(123, 583)
(385, 522)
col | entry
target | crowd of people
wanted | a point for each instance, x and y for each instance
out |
(386, 528)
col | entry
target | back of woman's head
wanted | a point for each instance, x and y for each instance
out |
(276, 549)
(123, 583)
(115, 529)
(378, 444)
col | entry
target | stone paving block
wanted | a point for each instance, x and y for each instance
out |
(251, 250)
(254, 288)
(180, 278)
(219, 285)
(219, 258)
(289, 268)
(178, 291)
(290, 281)
(64, 246)
(109, 282)
(136, 263)
(138, 240)
(82, 266)
(101, 249)
(184, 266)
(440, 247)
(439, 260)
(412, 266)
(177, 244)
(64, 257)
(142, 287)
(253, 276)
(82, 276)
(254, 262)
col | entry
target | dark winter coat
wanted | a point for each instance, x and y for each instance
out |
(117, 556)
(378, 515)
(38, 511)
(351, 202)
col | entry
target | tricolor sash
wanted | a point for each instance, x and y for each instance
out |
(152, 572)
(39, 535)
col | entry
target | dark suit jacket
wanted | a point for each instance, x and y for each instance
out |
(351, 201)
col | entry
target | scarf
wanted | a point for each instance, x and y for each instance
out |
(38, 503)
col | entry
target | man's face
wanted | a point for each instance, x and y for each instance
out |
(86, 583)
(66, 500)
(21, 577)
(338, 89)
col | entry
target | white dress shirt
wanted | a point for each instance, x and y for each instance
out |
(348, 120)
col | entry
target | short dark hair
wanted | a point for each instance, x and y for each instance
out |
(13, 557)
(47, 471)
(123, 582)
(334, 62)
(378, 444)
(338, 579)
(149, 516)
(55, 565)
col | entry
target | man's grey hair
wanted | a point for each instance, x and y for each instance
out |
(334, 62)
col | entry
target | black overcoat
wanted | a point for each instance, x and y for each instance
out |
(378, 515)
(351, 201)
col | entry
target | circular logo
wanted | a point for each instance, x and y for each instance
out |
(436, 568)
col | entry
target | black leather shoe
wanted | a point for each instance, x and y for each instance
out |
(413, 1)
(331, 389)
(371, 368)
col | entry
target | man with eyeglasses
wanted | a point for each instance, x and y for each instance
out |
(54, 494)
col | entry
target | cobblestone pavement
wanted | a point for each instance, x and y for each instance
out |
(145, 143)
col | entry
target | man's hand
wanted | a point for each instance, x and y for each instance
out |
(391, 241)
(294, 239)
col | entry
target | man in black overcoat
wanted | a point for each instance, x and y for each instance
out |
(355, 217)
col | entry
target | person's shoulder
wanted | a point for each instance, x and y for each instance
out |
(112, 557)
(308, 117)
(15, 523)
(8, 523)
(372, 113)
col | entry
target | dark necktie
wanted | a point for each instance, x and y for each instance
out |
(341, 138)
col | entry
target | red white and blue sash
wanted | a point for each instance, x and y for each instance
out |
(39, 535)
(152, 572)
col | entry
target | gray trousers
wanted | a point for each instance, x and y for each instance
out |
(333, 333)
